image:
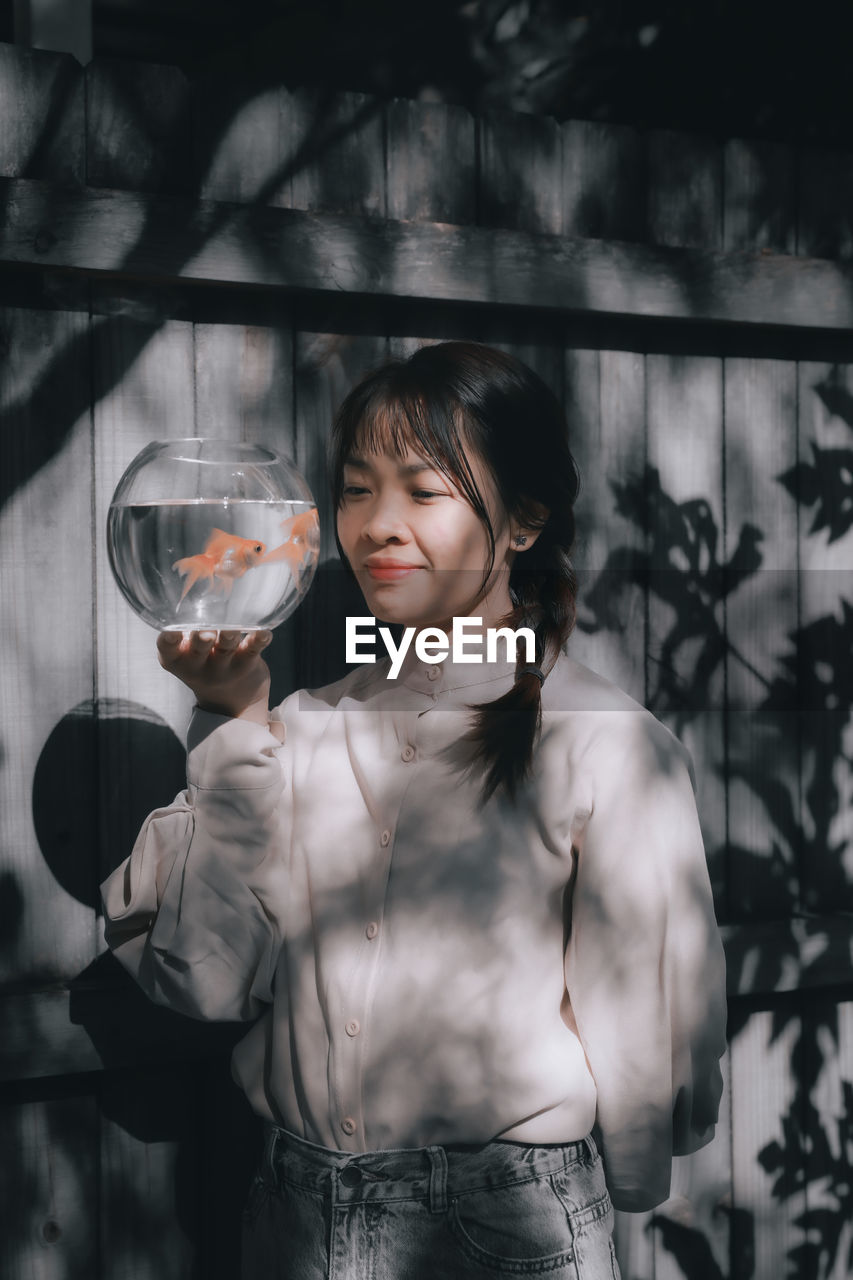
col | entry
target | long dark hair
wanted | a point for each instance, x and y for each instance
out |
(440, 400)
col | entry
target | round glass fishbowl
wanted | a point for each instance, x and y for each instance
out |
(214, 534)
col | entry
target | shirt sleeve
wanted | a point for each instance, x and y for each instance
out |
(195, 912)
(645, 970)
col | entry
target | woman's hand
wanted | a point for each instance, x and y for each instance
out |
(227, 675)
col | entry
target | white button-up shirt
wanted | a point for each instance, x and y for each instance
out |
(424, 968)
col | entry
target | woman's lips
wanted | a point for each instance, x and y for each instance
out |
(389, 571)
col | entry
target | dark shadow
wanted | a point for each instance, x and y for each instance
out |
(689, 1248)
(105, 766)
(11, 911)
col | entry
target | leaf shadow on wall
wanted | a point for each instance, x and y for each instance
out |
(799, 778)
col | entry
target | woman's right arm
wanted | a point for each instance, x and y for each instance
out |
(195, 912)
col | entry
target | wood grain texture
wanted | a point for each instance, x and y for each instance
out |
(148, 1132)
(243, 142)
(50, 1189)
(244, 391)
(759, 191)
(685, 492)
(42, 115)
(605, 403)
(338, 141)
(828, 1143)
(144, 390)
(762, 604)
(47, 856)
(604, 181)
(519, 178)
(762, 1091)
(825, 203)
(138, 134)
(431, 170)
(825, 550)
(693, 1227)
(153, 238)
(685, 190)
(327, 366)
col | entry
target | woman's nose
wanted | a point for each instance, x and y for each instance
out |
(384, 522)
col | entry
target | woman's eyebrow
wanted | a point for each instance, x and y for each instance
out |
(405, 469)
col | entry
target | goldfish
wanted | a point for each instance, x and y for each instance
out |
(302, 535)
(225, 558)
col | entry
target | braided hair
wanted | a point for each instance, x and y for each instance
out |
(454, 395)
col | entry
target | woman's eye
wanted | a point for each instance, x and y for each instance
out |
(353, 490)
(427, 493)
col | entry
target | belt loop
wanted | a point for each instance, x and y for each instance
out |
(437, 1179)
(592, 1149)
(269, 1152)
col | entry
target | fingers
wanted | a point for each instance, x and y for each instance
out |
(197, 647)
(256, 642)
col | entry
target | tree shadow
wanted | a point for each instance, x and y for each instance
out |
(805, 711)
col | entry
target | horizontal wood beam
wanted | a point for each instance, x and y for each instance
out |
(158, 238)
(100, 1024)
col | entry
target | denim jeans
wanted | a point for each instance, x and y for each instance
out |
(432, 1213)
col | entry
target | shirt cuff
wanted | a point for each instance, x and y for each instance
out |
(227, 753)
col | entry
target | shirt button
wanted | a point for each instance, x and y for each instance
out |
(385, 838)
(348, 1125)
(433, 673)
(408, 752)
(353, 1027)
(372, 930)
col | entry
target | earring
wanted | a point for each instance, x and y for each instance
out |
(520, 540)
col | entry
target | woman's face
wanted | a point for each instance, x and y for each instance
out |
(416, 545)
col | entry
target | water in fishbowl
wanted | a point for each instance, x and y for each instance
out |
(237, 564)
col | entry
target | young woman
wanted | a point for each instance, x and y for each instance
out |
(468, 906)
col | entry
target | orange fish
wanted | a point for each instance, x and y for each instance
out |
(302, 535)
(225, 557)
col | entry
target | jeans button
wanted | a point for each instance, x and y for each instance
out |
(351, 1176)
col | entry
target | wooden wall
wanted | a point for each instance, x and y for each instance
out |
(180, 259)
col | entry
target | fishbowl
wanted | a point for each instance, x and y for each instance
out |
(212, 534)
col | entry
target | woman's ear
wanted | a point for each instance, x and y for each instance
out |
(524, 531)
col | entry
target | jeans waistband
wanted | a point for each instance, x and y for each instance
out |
(434, 1173)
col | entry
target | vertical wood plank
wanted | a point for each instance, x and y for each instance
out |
(148, 1154)
(693, 1226)
(759, 196)
(340, 142)
(684, 190)
(761, 611)
(828, 1138)
(137, 127)
(42, 115)
(49, 1189)
(520, 172)
(244, 391)
(605, 400)
(243, 142)
(45, 631)
(327, 366)
(685, 497)
(144, 390)
(431, 172)
(825, 203)
(604, 181)
(824, 491)
(763, 1089)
